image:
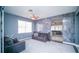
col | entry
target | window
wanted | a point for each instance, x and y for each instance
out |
(24, 26)
(56, 27)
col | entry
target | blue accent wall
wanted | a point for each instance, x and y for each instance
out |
(11, 26)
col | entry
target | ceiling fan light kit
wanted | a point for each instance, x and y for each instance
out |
(32, 15)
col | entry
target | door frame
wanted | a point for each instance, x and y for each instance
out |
(2, 29)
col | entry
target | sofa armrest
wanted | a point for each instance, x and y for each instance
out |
(19, 42)
(18, 47)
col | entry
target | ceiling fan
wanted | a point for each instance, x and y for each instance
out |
(32, 15)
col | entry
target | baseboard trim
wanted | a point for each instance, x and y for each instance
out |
(71, 44)
(75, 46)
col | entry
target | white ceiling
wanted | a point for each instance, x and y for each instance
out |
(41, 11)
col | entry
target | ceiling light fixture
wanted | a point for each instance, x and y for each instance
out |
(32, 15)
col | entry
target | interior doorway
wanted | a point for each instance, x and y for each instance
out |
(56, 30)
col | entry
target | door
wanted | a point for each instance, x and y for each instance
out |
(56, 28)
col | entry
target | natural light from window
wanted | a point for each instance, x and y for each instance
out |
(24, 26)
(56, 28)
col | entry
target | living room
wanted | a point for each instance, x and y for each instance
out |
(36, 29)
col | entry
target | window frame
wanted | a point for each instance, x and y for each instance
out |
(24, 27)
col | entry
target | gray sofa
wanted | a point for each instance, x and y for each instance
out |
(13, 45)
(41, 36)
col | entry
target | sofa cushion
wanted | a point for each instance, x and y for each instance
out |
(35, 34)
(15, 40)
